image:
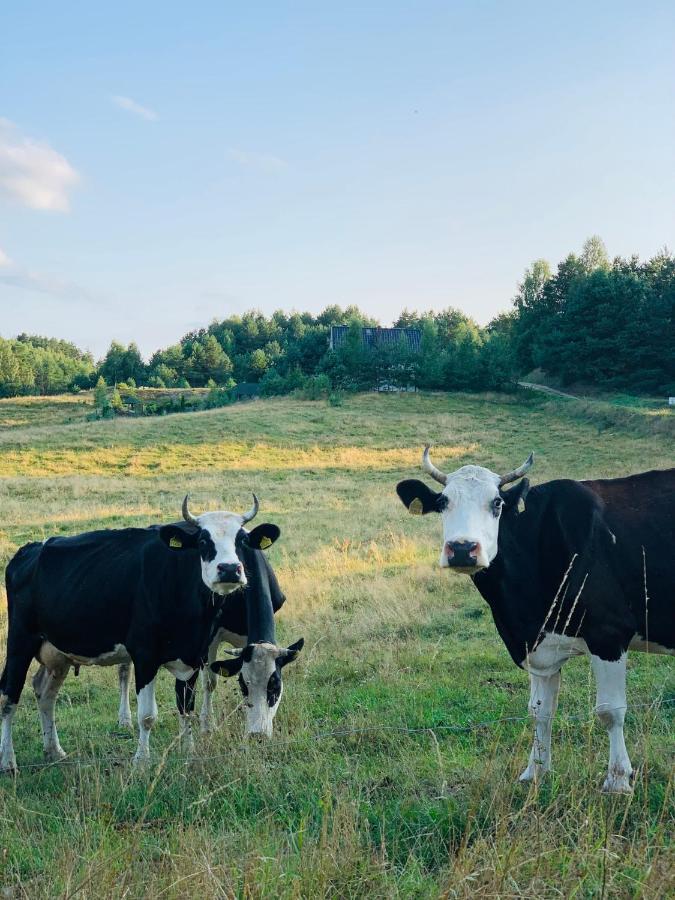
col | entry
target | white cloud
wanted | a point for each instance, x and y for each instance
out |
(264, 162)
(14, 276)
(131, 106)
(33, 173)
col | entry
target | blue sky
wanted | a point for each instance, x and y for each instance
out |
(162, 164)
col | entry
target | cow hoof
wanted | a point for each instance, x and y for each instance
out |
(205, 728)
(532, 773)
(617, 785)
(140, 762)
(55, 754)
(125, 723)
(9, 769)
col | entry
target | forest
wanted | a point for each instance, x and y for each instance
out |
(593, 321)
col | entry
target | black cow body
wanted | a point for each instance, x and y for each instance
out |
(582, 568)
(109, 597)
(620, 534)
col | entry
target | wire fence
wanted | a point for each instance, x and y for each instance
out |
(468, 728)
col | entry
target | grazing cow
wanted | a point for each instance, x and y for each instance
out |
(260, 662)
(149, 596)
(567, 567)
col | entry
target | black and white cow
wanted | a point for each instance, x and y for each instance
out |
(147, 596)
(567, 567)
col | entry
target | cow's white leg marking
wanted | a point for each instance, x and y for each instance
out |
(610, 679)
(544, 665)
(187, 740)
(124, 716)
(209, 681)
(7, 757)
(46, 685)
(544, 691)
(147, 716)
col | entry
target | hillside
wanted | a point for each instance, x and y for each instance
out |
(403, 725)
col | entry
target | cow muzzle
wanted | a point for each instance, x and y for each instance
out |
(259, 737)
(462, 555)
(259, 723)
(230, 573)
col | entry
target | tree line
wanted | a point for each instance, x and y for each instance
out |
(607, 323)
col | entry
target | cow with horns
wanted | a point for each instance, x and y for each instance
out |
(155, 597)
(567, 568)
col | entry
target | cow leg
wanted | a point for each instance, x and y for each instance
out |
(20, 651)
(124, 716)
(543, 704)
(185, 701)
(209, 681)
(7, 757)
(46, 686)
(147, 715)
(610, 680)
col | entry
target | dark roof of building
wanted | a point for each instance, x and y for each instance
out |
(373, 337)
(246, 389)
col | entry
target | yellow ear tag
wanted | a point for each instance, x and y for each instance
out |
(176, 543)
(416, 507)
(265, 542)
(521, 505)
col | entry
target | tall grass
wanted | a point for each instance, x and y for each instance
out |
(385, 778)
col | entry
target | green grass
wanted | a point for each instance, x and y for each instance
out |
(369, 788)
(23, 412)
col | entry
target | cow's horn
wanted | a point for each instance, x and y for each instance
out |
(253, 511)
(429, 467)
(187, 515)
(517, 473)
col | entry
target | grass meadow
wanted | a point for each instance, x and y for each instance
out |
(402, 730)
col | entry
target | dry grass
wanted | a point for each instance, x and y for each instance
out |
(368, 789)
(225, 456)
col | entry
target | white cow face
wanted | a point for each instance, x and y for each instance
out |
(218, 537)
(470, 505)
(259, 668)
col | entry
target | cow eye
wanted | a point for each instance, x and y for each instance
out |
(497, 504)
(273, 689)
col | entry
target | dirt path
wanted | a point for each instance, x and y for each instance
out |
(547, 390)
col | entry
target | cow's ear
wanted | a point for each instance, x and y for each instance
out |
(226, 668)
(418, 498)
(178, 538)
(514, 498)
(291, 653)
(263, 536)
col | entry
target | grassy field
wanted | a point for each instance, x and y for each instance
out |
(390, 774)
